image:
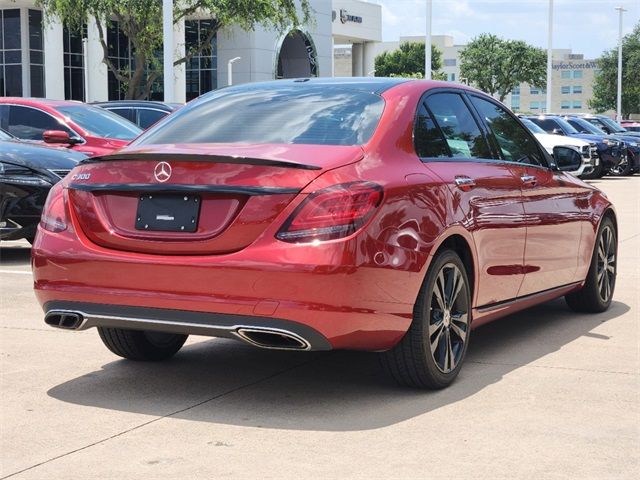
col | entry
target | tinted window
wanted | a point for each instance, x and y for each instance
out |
(428, 140)
(29, 123)
(583, 126)
(462, 134)
(533, 128)
(549, 124)
(282, 113)
(126, 113)
(515, 143)
(100, 123)
(147, 117)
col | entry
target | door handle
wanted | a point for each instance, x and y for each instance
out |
(529, 180)
(465, 183)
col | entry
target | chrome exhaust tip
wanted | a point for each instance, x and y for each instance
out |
(63, 319)
(273, 339)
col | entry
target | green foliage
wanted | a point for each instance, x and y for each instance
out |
(141, 22)
(408, 61)
(497, 66)
(605, 85)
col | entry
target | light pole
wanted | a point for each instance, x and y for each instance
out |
(427, 43)
(619, 99)
(549, 56)
(230, 70)
(167, 32)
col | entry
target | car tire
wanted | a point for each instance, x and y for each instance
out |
(139, 345)
(439, 321)
(596, 294)
(597, 172)
(623, 169)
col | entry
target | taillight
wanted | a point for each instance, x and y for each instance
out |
(331, 213)
(54, 212)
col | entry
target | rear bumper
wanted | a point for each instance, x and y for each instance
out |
(333, 295)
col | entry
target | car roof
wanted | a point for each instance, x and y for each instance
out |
(138, 103)
(40, 101)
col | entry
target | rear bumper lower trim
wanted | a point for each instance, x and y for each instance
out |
(187, 322)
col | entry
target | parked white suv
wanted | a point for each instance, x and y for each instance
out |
(588, 150)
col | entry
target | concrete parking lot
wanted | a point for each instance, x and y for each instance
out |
(546, 393)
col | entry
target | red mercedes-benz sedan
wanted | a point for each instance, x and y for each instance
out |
(84, 128)
(372, 214)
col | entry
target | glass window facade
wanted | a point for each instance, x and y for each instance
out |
(566, 74)
(201, 70)
(36, 54)
(565, 104)
(120, 55)
(577, 89)
(577, 104)
(449, 62)
(577, 74)
(10, 53)
(565, 89)
(73, 63)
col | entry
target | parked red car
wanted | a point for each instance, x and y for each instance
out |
(87, 129)
(371, 214)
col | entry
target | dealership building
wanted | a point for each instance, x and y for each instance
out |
(41, 58)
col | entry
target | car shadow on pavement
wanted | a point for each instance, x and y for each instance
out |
(225, 382)
(15, 255)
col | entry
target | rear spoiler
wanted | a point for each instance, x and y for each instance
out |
(200, 157)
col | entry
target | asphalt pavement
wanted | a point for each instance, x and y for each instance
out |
(546, 393)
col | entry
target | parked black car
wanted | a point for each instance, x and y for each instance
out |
(141, 112)
(630, 162)
(610, 149)
(27, 172)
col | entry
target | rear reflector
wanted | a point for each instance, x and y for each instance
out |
(331, 213)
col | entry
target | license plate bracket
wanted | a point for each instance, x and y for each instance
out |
(168, 212)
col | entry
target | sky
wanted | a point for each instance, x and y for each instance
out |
(585, 26)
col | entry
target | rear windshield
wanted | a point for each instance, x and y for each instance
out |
(317, 115)
(100, 122)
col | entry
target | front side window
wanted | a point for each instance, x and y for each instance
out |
(10, 53)
(29, 123)
(100, 122)
(456, 122)
(276, 113)
(515, 143)
(428, 140)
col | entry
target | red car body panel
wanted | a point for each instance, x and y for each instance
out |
(525, 246)
(92, 146)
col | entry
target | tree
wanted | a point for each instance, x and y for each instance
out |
(497, 66)
(605, 85)
(141, 22)
(408, 61)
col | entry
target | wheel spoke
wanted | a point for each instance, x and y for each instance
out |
(438, 292)
(436, 342)
(452, 359)
(457, 289)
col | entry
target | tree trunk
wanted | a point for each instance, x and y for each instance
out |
(136, 79)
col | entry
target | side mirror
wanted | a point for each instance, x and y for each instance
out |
(557, 131)
(567, 159)
(58, 137)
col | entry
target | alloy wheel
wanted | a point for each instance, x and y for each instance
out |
(606, 264)
(448, 318)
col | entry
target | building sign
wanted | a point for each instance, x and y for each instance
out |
(346, 17)
(575, 66)
(311, 54)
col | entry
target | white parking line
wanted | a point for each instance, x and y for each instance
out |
(20, 272)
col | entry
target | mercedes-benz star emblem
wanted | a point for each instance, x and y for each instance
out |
(162, 172)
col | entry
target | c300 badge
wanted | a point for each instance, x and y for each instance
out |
(81, 176)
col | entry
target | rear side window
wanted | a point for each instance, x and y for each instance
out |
(547, 124)
(126, 113)
(299, 114)
(147, 117)
(29, 123)
(514, 142)
(428, 140)
(460, 130)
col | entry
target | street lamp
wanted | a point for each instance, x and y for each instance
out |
(619, 99)
(230, 70)
(427, 43)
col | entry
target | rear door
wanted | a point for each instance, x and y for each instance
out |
(553, 213)
(452, 145)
